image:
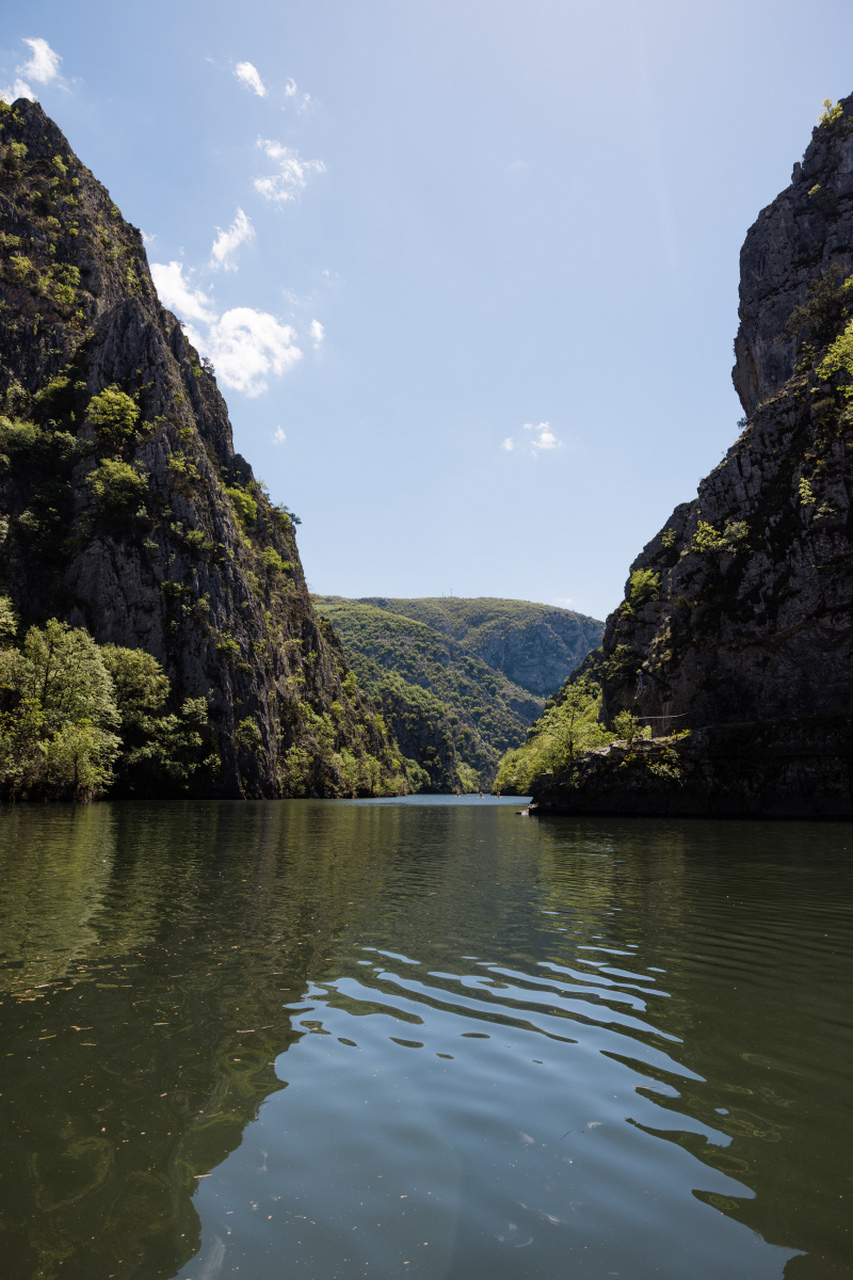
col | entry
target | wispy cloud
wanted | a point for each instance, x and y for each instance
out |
(248, 74)
(228, 242)
(179, 296)
(246, 345)
(293, 172)
(278, 436)
(317, 333)
(543, 438)
(301, 100)
(42, 66)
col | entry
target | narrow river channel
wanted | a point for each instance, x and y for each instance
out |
(424, 1038)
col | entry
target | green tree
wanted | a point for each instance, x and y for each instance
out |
(161, 750)
(57, 716)
(116, 485)
(114, 415)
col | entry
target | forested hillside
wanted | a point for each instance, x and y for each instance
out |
(535, 645)
(450, 710)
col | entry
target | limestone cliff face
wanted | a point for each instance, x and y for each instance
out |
(806, 230)
(740, 611)
(133, 516)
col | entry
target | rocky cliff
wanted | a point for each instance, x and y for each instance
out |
(736, 622)
(124, 506)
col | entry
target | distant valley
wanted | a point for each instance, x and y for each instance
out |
(459, 681)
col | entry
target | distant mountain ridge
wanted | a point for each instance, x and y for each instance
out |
(535, 645)
(450, 709)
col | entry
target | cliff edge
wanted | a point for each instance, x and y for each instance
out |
(124, 507)
(736, 622)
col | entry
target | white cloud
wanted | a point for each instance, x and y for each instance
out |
(249, 75)
(228, 242)
(42, 66)
(317, 333)
(247, 347)
(278, 436)
(290, 89)
(20, 89)
(544, 437)
(178, 295)
(293, 172)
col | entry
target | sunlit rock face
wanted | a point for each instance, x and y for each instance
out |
(739, 610)
(150, 530)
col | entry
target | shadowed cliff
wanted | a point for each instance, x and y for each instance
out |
(124, 507)
(736, 622)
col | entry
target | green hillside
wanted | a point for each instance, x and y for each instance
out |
(451, 711)
(535, 645)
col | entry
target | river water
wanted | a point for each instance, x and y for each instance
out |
(424, 1038)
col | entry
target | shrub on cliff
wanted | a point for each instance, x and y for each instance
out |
(114, 415)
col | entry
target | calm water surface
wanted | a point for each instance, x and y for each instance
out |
(423, 1039)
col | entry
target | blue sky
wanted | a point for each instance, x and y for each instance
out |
(467, 270)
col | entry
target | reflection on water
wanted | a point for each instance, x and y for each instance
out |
(432, 1040)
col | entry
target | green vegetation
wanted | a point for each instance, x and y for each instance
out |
(117, 486)
(806, 492)
(828, 306)
(839, 359)
(115, 416)
(450, 711)
(830, 113)
(502, 633)
(77, 719)
(643, 586)
(569, 726)
(709, 539)
(245, 506)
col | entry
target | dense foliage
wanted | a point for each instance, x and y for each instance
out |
(78, 719)
(449, 710)
(536, 646)
(571, 725)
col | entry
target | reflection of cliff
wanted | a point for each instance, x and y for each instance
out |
(140, 1038)
(756, 969)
